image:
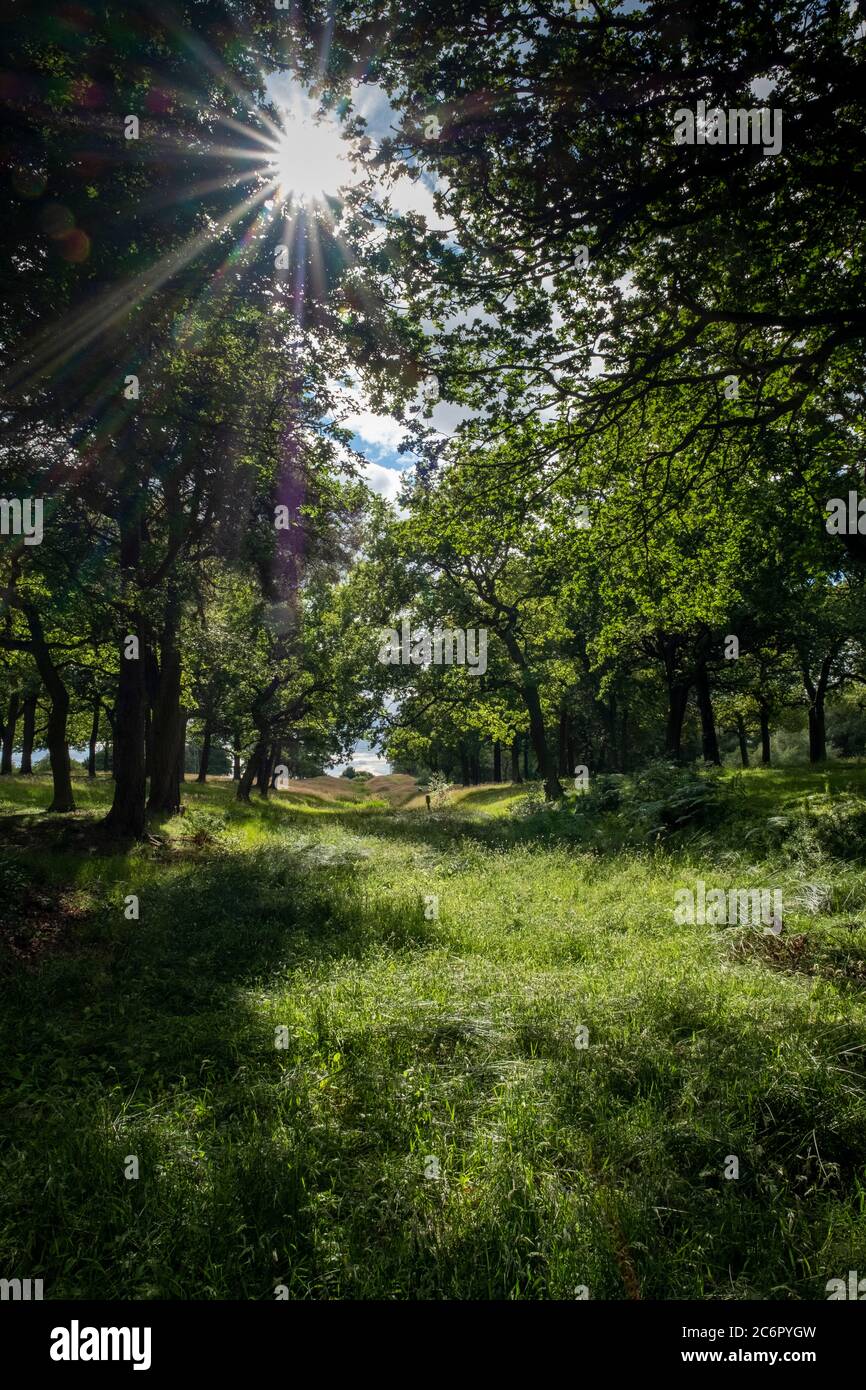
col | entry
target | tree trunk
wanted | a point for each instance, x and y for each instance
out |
(817, 733)
(546, 768)
(148, 740)
(250, 771)
(678, 695)
(181, 757)
(28, 734)
(709, 739)
(151, 685)
(497, 761)
(816, 694)
(563, 743)
(266, 768)
(262, 774)
(9, 735)
(108, 751)
(127, 816)
(168, 725)
(236, 756)
(58, 713)
(526, 757)
(515, 760)
(765, 734)
(610, 740)
(744, 746)
(91, 746)
(62, 799)
(537, 733)
(276, 761)
(205, 752)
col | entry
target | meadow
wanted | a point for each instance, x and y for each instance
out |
(361, 1051)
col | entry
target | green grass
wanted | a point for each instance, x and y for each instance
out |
(410, 1040)
(496, 801)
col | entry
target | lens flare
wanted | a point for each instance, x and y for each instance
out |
(307, 160)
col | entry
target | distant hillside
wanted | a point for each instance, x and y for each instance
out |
(398, 788)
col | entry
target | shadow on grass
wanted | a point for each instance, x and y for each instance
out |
(154, 1038)
(656, 1110)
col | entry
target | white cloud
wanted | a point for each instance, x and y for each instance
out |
(371, 762)
(413, 195)
(371, 102)
(385, 481)
(380, 430)
(447, 415)
(363, 762)
(384, 433)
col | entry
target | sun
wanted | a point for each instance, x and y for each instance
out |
(307, 159)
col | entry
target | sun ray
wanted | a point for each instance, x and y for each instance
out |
(288, 159)
(61, 341)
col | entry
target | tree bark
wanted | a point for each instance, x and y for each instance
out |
(181, 756)
(236, 757)
(765, 733)
(546, 768)
(532, 700)
(167, 729)
(817, 693)
(250, 771)
(108, 751)
(265, 773)
(611, 749)
(151, 686)
(515, 760)
(9, 735)
(563, 743)
(744, 746)
(205, 752)
(91, 746)
(678, 695)
(497, 761)
(817, 733)
(28, 734)
(276, 760)
(58, 713)
(127, 817)
(148, 740)
(709, 738)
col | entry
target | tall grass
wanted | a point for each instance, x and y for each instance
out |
(432, 1127)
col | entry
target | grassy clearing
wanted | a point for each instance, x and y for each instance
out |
(431, 1129)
